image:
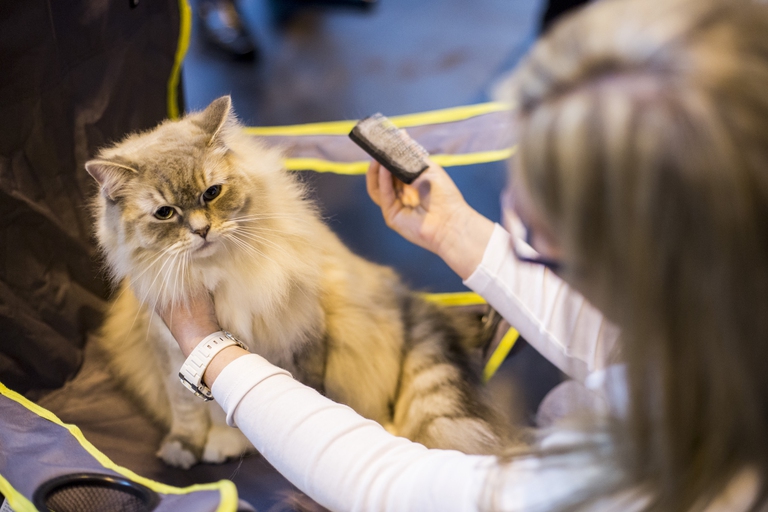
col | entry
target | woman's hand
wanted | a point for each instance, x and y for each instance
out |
(191, 322)
(432, 213)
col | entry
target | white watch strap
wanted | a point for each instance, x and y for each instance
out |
(191, 373)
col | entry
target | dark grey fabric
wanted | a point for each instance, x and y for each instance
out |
(35, 450)
(73, 76)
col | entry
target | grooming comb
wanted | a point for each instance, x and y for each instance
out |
(391, 147)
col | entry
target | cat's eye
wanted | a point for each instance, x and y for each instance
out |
(164, 212)
(212, 193)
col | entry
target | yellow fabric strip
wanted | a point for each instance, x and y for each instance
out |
(472, 299)
(355, 168)
(185, 28)
(448, 115)
(501, 353)
(455, 298)
(474, 158)
(226, 488)
(329, 128)
(318, 165)
(17, 501)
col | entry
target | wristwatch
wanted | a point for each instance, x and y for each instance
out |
(191, 373)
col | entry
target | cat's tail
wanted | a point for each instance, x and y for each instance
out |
(440, 401)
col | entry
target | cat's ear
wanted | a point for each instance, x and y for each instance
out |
(110, 175)
(215, 117)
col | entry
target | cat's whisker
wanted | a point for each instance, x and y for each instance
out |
(185, 276)
(250, 249)
(147, 269)
(253, 231)
(265, 241)
(185, 266)
(296, 220)
(269, 243)
(142, 301)
(243, 245)
(157, 275)
(259, 229)
(174, 290)
(224, 243)
(179, 282)
(171, 259)
(268, 216)
(176, 280)
(163, 283)
(173, 247)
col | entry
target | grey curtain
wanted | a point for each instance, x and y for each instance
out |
(74, 76)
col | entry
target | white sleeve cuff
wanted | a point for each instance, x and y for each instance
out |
(238, 378)
(493, 258)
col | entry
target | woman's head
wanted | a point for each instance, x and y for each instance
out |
(644, 144)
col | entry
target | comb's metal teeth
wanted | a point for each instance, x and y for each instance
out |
(391, 146)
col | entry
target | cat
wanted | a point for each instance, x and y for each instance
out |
(196, 204)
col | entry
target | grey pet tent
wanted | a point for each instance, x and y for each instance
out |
(49, 464)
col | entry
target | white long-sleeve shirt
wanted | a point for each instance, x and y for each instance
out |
(555, 319)
(346, 462)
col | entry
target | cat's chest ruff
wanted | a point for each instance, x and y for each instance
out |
(270, 324)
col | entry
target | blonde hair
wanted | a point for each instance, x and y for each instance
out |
(644, 144)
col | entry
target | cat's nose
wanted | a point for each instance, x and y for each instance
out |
(202, 231)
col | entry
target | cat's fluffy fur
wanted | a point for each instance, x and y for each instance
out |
(281, 281)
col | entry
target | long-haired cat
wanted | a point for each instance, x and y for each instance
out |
(196, 204)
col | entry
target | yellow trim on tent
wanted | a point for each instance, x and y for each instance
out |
(360, 167)
(329, 128)
(17, 501)
(455, 298)
(481, 157)
(320, 165)
(501, 353)
(185, 28)
(226, 488)
(472, 299)
(447, 115)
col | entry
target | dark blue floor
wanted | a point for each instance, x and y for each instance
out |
(405, 56)
(358, 221)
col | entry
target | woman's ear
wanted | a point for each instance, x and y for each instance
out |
(111, 176)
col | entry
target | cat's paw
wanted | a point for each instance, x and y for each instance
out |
(224, 443)
(177, 452)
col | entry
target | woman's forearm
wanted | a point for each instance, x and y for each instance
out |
(340, 459)
(464, 240)
(553, 317)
